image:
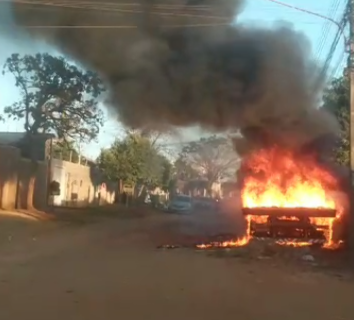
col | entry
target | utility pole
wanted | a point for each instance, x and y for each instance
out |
(351, 127)
(80, 149)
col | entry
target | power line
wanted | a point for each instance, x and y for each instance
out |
(326, 28)
(340, 65)
(340, 31)
(186, 12)
(304, 11)
(200, 25)
(343, 22)
(312, 13)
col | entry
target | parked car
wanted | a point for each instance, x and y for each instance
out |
(180, 204)
(205, 203)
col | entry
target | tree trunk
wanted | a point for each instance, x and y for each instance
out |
(120, 186)
(209, 188)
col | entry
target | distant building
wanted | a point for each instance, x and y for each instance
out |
(198, 187)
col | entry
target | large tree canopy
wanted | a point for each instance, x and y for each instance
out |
(183, 170)
(213, 158)
(56, 96)
(336, 100)
(135, 160)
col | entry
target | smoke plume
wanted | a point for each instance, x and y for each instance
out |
(260, 81)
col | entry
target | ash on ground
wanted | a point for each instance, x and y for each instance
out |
(334, 262)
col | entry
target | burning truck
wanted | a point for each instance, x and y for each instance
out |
(294, 197)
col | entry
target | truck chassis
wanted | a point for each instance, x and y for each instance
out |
(290, 223)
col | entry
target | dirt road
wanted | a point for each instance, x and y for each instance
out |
(111, 269)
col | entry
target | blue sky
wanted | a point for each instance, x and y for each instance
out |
(261, 12)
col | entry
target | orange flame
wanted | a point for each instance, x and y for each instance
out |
(278, 178)
(225, 244)
(293, 243)
(231, 243)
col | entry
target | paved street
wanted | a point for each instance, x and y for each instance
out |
(110, 269)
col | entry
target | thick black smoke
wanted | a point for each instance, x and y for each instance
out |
(261, 81)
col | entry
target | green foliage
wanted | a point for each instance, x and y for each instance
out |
(336, 100)
(135, 160)
(184, 170)
(212, 157)
(66, 150)
(166, 174)
(56, 96)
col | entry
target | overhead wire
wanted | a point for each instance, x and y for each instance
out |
(340, 32)
(184, 12)
(339, 65)
(312, 13)
(332, 11)
(342, 61)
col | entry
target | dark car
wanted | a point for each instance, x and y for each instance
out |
(206, 203)
(180, 204)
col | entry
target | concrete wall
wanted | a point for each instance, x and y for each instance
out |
(199, 188)
(9, 158)
(79, 185)
(15, 175)
(25, 171)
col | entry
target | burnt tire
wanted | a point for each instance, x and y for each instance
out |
(340, 230)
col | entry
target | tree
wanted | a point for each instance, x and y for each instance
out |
(56, 96)
(134, 160)
(336, 100)
(213, 158)
(153, 136)
(66, 150)
(184, 171)
(166, 180)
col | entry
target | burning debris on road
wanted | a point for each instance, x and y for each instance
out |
(224, 244)
(234, 243)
